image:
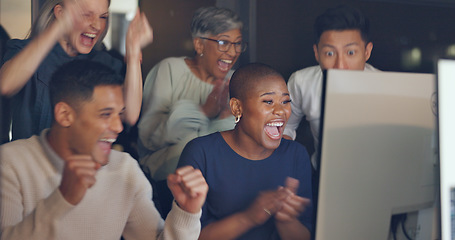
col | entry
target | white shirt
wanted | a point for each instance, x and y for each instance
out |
(305, 88)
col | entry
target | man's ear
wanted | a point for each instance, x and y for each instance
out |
(368, 49)
(64, 114)
(236, 107)
(315, 50)
(198, 45)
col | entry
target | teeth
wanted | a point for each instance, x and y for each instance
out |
(226, 61)
(275, 124)
(109, 140)
(90, 35)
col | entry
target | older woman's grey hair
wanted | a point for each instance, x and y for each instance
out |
(213, 21)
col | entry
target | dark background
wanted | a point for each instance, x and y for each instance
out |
(281, 32)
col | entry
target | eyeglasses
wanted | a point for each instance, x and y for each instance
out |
(224, 45)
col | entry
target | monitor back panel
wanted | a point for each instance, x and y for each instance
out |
(377, 151)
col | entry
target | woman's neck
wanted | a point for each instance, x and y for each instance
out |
(68, 48)
(196, 68)
(245, 146)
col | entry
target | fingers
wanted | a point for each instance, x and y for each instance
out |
(266, 205)
(148, 31)
(84, 168)
(218, 87)
(73, 15)
(292, 184)
(140, 33)
(78, 176)
(189, 188)
(292, 208)
(192, 181)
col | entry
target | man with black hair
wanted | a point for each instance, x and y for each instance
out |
(341, 42)
(67, 183)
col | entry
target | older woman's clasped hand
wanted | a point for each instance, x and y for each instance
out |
(217, 103)
(283, 204)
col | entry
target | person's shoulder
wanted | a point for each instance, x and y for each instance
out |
(28, 142)
(170, 65)
(123, 164)
(172, 61)
(204, 143)
(119, 159)
(17, 42)
(290, 143)
(20, 147)
(109, 59)
(292, 146)
(13, 46)
(124, 168)
(369, 67)
(308, 70)
(206, 139)
(312, 73)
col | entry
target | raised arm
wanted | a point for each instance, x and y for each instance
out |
(139, 35)
(15, 73)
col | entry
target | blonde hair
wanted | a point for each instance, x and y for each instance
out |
(46, 17)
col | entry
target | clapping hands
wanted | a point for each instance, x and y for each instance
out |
(217, 101)
(283, 204)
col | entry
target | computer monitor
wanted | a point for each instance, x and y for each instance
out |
(446, 127)
(377, 151)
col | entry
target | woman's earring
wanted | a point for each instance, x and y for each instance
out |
(200, 55)
(237, 119)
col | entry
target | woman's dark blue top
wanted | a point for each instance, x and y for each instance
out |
(235, 182)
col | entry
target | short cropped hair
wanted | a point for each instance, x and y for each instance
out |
(342, 18)
(211, 21)
(75, 81)
(247, 77)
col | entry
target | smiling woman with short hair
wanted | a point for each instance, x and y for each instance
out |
(259, 183)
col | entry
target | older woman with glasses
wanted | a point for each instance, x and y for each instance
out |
(187, 97)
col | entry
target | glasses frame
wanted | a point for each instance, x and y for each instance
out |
(243, 45)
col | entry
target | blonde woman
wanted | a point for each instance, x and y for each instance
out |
(66, 30)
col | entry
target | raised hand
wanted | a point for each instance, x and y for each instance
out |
(78, 176)
(293, 205)
(71, 18)
(189, 188)
(139, 34)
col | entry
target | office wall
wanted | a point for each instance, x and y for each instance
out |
(401, 31)
(15, 17)
(171, 21)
